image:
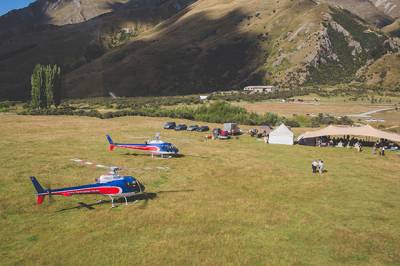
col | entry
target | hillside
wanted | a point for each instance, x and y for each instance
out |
(185, 46)
(238, 45)
(58, 12)
(393, 29)
(72, 45)
(385, 71)
(377, 12)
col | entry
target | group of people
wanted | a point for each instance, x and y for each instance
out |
(343, 142)
(380, 148)
(317, 166)
(346, 142)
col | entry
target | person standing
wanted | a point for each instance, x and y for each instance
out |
(357, 146)
(314, 166)
(320, 166)
(383, 151)
(374, 149)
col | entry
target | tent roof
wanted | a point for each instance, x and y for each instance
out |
(281, 130)
(365, 131)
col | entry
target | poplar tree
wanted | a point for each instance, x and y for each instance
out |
(57, 86)
(46, 86)
(43, 97)
(36, 83)
(49, 72)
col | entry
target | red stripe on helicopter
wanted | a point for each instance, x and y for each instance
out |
(147, 148)
(92, 190)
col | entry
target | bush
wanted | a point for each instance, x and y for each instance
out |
(326, 119)
(292, 123)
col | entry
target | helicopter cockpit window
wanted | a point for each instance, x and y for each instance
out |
(130, 184)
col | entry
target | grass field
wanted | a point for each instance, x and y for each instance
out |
(290, 108)
(234, 202)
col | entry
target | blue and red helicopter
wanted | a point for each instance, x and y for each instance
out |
(112, 185)
(155, 147)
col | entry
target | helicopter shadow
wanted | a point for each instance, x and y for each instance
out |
(119, 201)
(143, 197)
(136, 154)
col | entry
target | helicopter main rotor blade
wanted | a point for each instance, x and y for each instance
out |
(89, 163)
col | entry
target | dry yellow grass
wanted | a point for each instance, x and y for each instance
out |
(390, 117)
(241, 201)
(288, 109)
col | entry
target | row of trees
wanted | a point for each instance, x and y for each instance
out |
(46, 86)
(217, 112)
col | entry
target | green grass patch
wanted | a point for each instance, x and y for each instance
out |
(239, 202)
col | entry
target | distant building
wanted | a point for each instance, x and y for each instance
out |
(112, 94)
(253, 89)
(126, 30)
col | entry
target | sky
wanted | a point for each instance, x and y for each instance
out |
(7, 5)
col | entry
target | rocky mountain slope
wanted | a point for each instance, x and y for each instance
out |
(153, 47)
(58, 12)
(378, 12)
(389, 7)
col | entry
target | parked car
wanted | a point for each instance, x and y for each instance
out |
(180, 127)
(170, 125)
(220, 134)
(203, 129)
(223, 134)
(193, 128)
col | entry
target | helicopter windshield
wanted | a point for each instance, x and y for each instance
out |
(172, 147)
(131, 184)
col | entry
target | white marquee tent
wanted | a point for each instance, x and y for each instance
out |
(363, 131)
(281, 135)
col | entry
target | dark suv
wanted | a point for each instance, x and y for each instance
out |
(193, 128)
(170, 125)
(203, 129)
(181, 127)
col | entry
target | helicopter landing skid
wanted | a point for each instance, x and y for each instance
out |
(112, 202)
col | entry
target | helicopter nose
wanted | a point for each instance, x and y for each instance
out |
(141, 186)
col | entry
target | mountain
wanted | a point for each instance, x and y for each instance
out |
(389, 7)
(378, 12)
(164, 47)
(58, 12)
(27, 39)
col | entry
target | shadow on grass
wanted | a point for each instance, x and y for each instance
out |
(144, 198)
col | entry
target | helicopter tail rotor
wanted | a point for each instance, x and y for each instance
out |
(40, 191)
(111, 142)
